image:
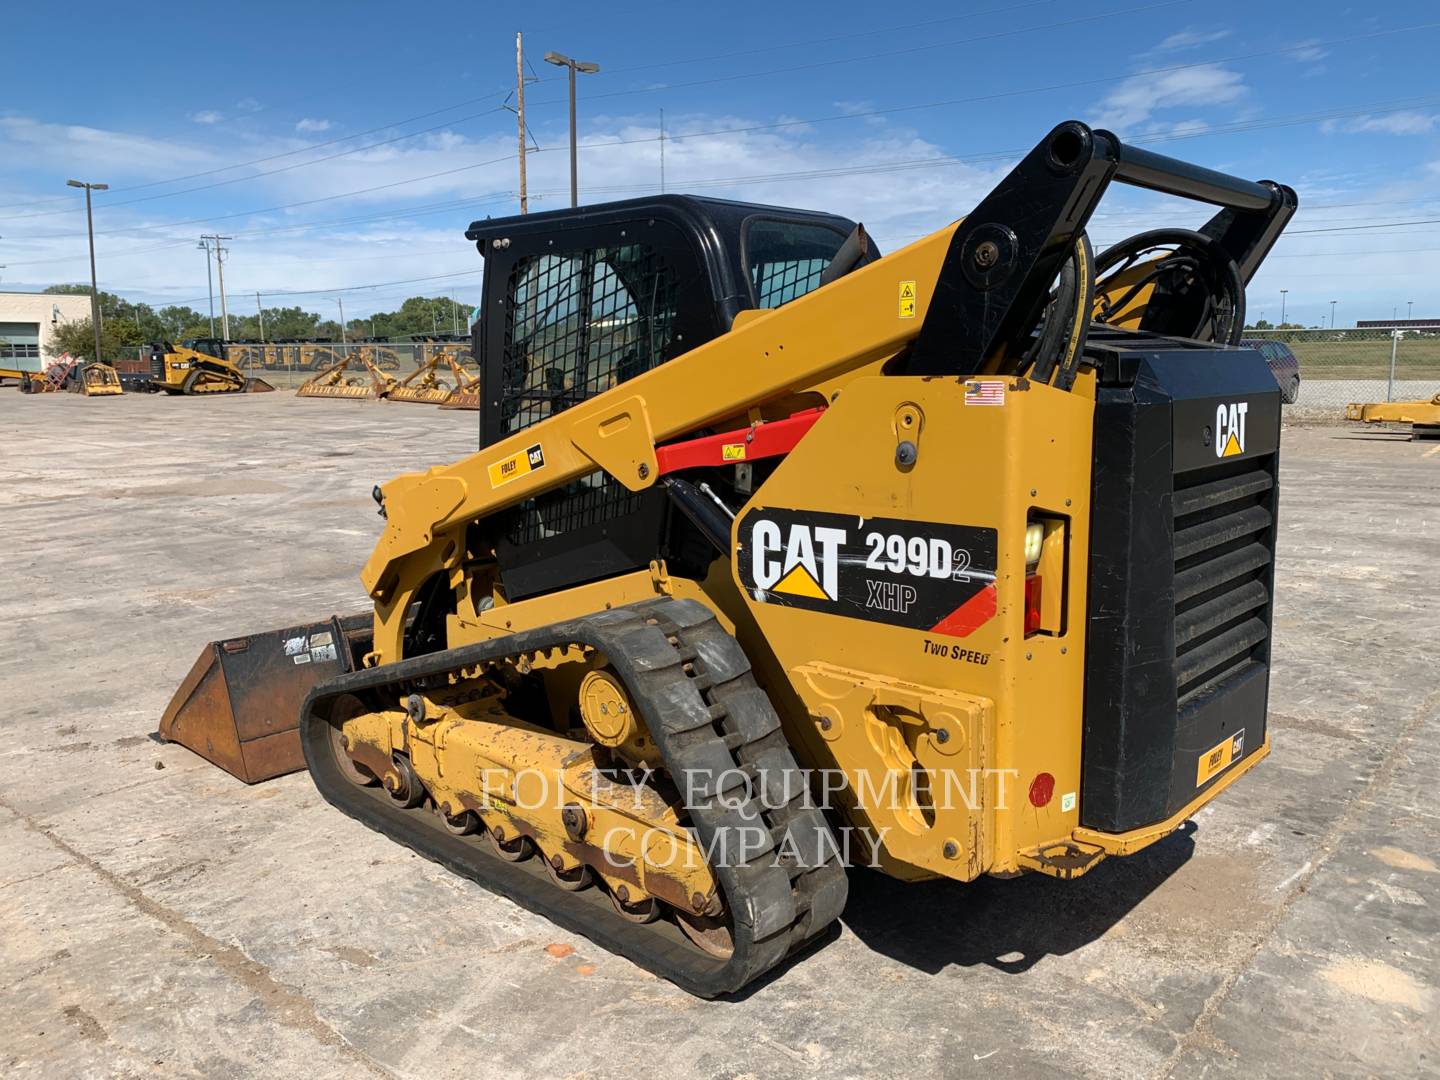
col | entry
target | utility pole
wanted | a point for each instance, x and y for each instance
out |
(341, 302)
(1332, 313)
(520, 114)
(1282, 306)
(94, 285)
(1409, 310)
(220, 273)
(454, 315)
(261, 311)
(560, 60)
(209, 282)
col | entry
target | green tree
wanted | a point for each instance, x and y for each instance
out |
(78, 339)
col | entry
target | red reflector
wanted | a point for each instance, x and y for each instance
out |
(1032, 603)
(1042, 789)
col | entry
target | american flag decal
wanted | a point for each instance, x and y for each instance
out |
(985, 392)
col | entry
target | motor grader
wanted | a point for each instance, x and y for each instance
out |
(778, 554)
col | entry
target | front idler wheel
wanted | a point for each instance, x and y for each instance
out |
(344, 709)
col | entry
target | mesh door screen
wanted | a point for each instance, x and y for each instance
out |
(578, 323)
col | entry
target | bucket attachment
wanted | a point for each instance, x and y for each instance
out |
(340, 381)
(239, 707)
(257, 386)
(465, 396)
(424, 385)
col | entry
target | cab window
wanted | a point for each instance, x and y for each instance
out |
(784, 259)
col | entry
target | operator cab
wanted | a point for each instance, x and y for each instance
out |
(579, 300)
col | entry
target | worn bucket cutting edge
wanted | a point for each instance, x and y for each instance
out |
(239, 707)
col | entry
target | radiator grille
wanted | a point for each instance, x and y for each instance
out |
(1224, 540)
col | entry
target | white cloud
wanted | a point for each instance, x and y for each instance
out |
(310, 125)
(1190, 39)
(1309, 51)
(1396, 123)
(118, 155)
(207, 116)
(792, 166)
(248, 104)
(1135, 100)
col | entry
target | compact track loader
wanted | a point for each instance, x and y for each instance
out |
(779, 553)
(199, 367)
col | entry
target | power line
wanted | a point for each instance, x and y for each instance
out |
(863, 113)
(921, 48)
(268, 172)
(487, 97)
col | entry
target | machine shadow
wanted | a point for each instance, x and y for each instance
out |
(1009, 925)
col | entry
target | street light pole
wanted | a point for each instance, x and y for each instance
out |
(261, 312)
(341, 302)
(94, 284)
(1332, 313)
(1282, 306)
(1409, 310)
(560, 60)
(209, 282)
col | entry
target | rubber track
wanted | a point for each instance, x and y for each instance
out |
(776, 860)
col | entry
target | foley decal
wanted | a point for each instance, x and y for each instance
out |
(517, 465)
(917, 574)
(1219, 758)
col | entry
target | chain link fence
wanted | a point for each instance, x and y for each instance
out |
(1321, 370)
(287, 364)
(1336, 367)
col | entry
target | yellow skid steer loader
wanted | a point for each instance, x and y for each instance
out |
(778, 554)
(199, 366)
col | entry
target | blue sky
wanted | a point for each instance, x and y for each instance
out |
(346, 147)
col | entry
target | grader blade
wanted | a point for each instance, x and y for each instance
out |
(239, 707)
(339, 380)
(465, 396)
(424, 386)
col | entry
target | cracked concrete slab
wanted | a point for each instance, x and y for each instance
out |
(165, 919)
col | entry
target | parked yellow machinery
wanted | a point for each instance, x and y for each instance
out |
(198, 366)
(354, 376)
(1422, 416)
(426, 385)
(779, 553)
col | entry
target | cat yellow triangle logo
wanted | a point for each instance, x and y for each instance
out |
(1232, 446)
(798, 582)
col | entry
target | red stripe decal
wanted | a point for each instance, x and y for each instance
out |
(748, 444)
(971, 615)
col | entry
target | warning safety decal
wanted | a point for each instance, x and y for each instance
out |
(918, 574)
